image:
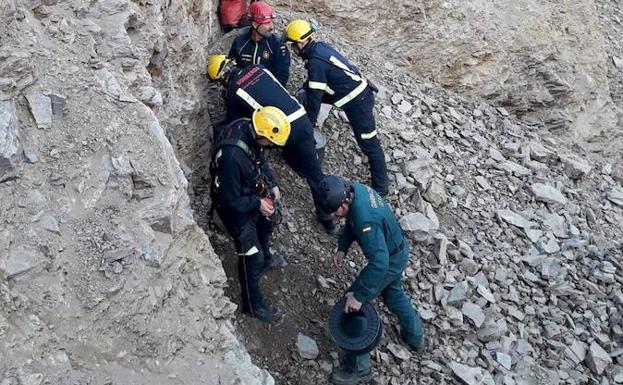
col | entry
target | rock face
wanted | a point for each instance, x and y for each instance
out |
(104, 275)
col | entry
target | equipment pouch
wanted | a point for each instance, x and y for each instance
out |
(373, 86)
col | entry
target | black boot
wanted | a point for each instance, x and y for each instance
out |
(265, 313)
(275, 261)
(345, 376)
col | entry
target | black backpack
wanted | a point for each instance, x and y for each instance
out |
(222, 138)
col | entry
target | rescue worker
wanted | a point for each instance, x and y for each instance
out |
(331, 78)
(252, 87)
(244, 191)
(372, 224)
(260, 46)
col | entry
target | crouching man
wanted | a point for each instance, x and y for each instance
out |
(372, 224)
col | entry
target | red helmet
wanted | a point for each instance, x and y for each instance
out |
(260, 12)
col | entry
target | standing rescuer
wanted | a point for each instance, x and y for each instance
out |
(244, 191)
(253, 87)
(260, 46)
(331, 78)
(372, 224)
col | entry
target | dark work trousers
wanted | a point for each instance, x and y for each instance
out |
(252, 242)
(398, 303)
(300, 154)
(360, 113)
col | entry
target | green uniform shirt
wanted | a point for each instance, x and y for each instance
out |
(372, 224)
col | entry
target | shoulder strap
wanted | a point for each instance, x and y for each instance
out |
(235, 143)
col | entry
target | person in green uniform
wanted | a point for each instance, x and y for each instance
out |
(371, 223)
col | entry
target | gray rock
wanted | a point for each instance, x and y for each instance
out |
(307, 347)
(436, 118)
(10, 151)
(322, 281)
(326, 366)
(30, 156)
(41, 109)
(482, 182)
(426, 313)
(469, 266)
(19, 259)
(496, 155)
(465, 250)
(421, 171)
(551, 330)
(470, 375)
(534, 234)
(150, 96)
(419, 224)
(458, 293)
(50, 223)
(556, 224)
(489, 332)
(575, 167)
(441, 248)
(548, 245)
(58, 104)
(618, 62)
(513, 168)
(616, 196)
(436, 193)
(485, 293)
(597, 359)
(454, 315)
(387, 111)
(547, 194)
(16, 67)
(576, 351)
(514, 219)
(502, 111)
(117, 267)
(474, 312)
(404, 107)
(504, 360)
(398, 351)
(397, 98)
(541, 153)
(402, 183)
(31, 379)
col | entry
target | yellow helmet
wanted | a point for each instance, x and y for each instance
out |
(271, 123)
(218, 66)
(299, 31)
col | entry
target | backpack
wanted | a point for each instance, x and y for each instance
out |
(232, 14)
(221, 138)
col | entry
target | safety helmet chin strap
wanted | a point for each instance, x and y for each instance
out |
(257, 30)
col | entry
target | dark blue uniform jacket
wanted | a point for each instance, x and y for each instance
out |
(236, 177)
(270, 52)
(331, 78)
(254, 87)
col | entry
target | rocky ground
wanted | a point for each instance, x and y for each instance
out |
(516, 248)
